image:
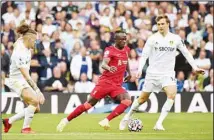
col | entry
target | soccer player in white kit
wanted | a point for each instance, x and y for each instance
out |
(160, 48)
(20, 81)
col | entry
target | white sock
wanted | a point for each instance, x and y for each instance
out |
(17, 116)
(29, 113)
(165, 109)
(134, 106)
(66, 120)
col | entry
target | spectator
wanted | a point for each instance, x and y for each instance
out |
(182, 34)
(76, 49)
(81, 63)
(9, 48)
(48, 28)
(209, 18)
(9, 33)
(67, 37)
(7, 4)
(47, 62)
(96, 56)
(209, 44)
(27, 17)
(194, 35)
(133, 64)
(191, 84)
(83, 86)
(33, 25)
(64, 71)
(45, 44)
(9, 16)
(32, 13)
(106, 40)
(207, 80)
(75, 19)
(60, 52)
(90, 10)
(57, 8)
(180, 81)
(106, 17)
(203, 62)
(57, 82)
(5, 61)
(70, 8)
(34, 64)
(4, 88)
(66, 74)
(18, 17)
(119, 18)
(210, 86)
(140, 45)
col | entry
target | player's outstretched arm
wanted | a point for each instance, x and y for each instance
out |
(189, 58)
(105, 65)
(25, 73)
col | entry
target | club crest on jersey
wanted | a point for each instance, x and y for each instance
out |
(120, 62)
(106, 53)
(171, 43)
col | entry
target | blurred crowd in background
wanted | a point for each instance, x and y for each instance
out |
(73, 36)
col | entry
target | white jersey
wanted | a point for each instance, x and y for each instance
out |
(162, 53)
(20, 58)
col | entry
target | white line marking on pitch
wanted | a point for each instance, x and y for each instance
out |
(104, 133)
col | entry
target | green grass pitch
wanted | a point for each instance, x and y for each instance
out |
(179, 126)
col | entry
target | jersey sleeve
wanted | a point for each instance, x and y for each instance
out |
(108, 53)
(21, 61)
(182, 47)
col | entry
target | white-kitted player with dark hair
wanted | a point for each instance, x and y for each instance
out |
(160, 48)
(20, 81)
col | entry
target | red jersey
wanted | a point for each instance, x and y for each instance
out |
(119, 59)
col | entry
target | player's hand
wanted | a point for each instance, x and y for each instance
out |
(199, 71)
(127, 78)
(113, 69)
(41, 98)
(138, 75)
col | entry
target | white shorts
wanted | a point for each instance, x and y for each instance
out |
(17, 85)
(156, 84)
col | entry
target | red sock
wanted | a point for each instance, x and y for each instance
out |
(78, 111)
(117, 111)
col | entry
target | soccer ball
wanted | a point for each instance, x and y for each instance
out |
(135, 125)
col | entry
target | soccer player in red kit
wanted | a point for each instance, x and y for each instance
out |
(115, 64)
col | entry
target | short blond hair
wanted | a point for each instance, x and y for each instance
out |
(159, 17)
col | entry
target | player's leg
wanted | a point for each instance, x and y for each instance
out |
(170, 91)
(137, 102)
(82, 108)
(20, 115)
(29, 96)
(78, 111)
(125, 102)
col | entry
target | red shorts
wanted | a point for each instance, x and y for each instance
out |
(100, 91)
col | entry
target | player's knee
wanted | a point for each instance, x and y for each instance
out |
(142, 99)
(171, 96)
(126, 102)
(37, 110)
(34, 102)
(87, 105)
